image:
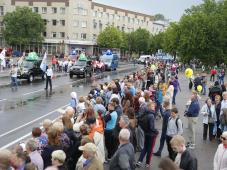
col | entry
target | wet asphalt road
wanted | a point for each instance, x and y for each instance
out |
(26, 108)
(31, 102)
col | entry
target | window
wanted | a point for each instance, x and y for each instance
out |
(62, 22)
(62, 10)
(100, 25)
(132, 20)
(44, 10)
(54, 10)
(83, 36)
(75, 35)
(95, 14)
(84, 24)
(54, 22)
(84, 12)
(45, 21)
(123, 18)
(111, 16)
(100, 14)
(107, 15)
(76, 23)
(1, 10)
(44, 34)
(1, 26)
(76, 11)
(62, 35)
(36, 9)
(94, 37)
(94, 24)
(54, 34)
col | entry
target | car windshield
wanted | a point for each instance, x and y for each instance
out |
(27, 64)
(80, 63)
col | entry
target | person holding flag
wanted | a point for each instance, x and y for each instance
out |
(2, 58)
(47, 70)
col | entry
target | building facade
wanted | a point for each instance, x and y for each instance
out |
(75, 24)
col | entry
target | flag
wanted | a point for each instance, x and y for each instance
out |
(43, 64)
(2, 57)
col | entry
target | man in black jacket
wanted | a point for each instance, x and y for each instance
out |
(184, 159)
(165, 117)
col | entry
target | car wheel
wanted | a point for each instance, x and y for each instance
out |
(31, 78)
(71, 76)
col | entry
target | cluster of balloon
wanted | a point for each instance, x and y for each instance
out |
(188, 74)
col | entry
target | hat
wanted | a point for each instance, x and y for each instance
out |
(73, 95)
(91, 120)
(90, 147)
(46, 123)
(224, 134)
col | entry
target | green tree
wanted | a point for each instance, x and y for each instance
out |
(170, 41)
(142, 40)
(200, 33)
(158, 17)
(156, 42)
(23, 26)
(111, 37)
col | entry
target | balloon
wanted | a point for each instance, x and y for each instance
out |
(83, 57)
(188, 73)
(199, 88)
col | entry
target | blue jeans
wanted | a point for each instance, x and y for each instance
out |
(159, 107)
(204, 89)
(174, 96)
(14, 82)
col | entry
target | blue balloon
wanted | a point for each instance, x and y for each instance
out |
(108, 52)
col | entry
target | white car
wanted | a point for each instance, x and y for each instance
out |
(143, 58)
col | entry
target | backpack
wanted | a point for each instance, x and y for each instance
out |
(176, 122)
(143, 121)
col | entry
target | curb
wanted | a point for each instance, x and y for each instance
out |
(23, 81)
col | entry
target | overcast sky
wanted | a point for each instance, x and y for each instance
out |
(171, 9)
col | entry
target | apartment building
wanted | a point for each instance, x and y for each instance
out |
(75, 24)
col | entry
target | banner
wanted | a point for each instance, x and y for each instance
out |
(2, 57)
(43, 64)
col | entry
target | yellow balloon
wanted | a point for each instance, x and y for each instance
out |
(199, 88)
(188, 73)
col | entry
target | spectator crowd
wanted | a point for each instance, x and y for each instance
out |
(118, 119)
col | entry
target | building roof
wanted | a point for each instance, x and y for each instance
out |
(116, 9)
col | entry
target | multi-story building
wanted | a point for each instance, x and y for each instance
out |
(75, 24)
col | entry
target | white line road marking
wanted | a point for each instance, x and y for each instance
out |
(33, 92)
(3, 100)
(21, 138)
(35, 120)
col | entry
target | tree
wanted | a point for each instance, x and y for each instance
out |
(156, 42)
(142, 40)
(170, 40)
(111, 37)
(23, 26)
(158, 17)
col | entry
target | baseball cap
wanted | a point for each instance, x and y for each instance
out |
(90, 147)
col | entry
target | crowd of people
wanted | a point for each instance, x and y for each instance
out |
(116, 120)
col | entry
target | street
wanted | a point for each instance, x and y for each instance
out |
(24, 109)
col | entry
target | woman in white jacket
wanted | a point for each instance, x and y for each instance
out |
(209, 119)
(220, 158)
